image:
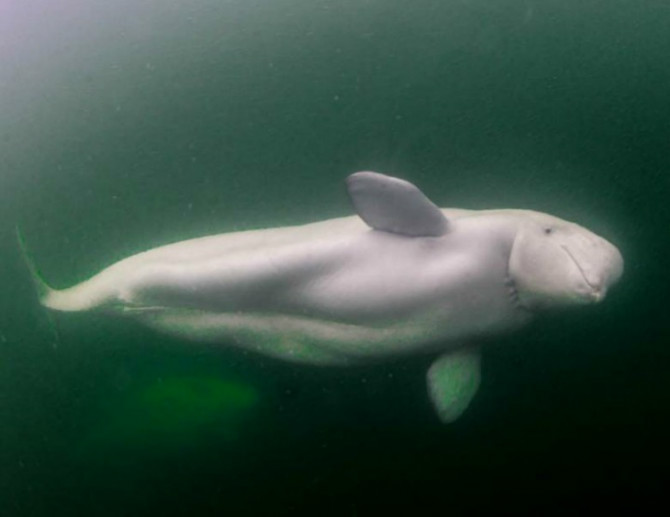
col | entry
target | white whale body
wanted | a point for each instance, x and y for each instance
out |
(401, 277)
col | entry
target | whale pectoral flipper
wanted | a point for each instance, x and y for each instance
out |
(394, 205)
(453, 380)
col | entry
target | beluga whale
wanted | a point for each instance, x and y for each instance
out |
(400, 277)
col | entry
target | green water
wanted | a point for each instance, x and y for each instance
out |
(135, 124)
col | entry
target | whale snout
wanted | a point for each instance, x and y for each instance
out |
(600, 264)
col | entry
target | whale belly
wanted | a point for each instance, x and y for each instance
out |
(329, 300)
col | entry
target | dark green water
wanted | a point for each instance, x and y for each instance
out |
(141, 123)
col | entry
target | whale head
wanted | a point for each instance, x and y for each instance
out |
(556, 263)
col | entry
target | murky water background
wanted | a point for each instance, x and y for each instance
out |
(126, 125)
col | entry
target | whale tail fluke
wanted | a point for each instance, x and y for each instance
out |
(41, 287)
(44, 291)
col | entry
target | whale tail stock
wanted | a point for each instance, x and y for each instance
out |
(84, 296)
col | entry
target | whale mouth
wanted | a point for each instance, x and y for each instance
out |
(597, 293)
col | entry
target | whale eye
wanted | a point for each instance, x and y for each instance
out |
(548, 230)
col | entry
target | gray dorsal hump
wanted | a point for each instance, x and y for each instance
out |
(394, 205)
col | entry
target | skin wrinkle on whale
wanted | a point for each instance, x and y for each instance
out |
(401, 277)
